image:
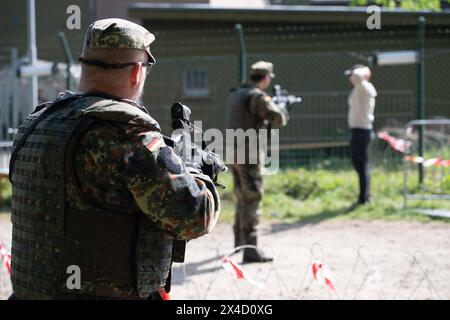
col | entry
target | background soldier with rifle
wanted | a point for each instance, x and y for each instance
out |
(250, 107)
(96, 186)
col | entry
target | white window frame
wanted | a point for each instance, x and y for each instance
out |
(196, 88)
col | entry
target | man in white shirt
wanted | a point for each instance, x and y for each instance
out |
(360, 120)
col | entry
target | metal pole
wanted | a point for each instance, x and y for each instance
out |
(69, 59)
(242, 53)
(421, 93)
(32, 54)
(92, 10)
(13, 120)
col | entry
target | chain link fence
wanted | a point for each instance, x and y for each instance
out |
(309, 61)
(427, 164)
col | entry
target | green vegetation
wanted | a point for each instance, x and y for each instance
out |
(411, 5)
(313, 195)
(5, 194)
(300, 195)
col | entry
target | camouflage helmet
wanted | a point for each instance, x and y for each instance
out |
(119, 34)
(262, 68)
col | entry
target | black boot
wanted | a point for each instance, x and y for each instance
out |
(238, 238)
(254, 255)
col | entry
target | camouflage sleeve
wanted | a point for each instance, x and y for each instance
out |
(262, 105)
(141, 171)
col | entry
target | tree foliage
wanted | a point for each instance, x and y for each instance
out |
(412, 5)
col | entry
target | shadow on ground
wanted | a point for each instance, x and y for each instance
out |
(208, 266)
(310, 220)
(195, 268)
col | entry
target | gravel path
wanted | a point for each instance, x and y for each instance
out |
(367, 260)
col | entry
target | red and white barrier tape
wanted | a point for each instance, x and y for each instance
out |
(237, 272)
(439, 162)
(399, 145)
(322, 274)
(164, 295)
(403, 145)
(6, 258)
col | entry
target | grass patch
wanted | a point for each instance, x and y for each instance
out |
(5, 195)
(301, 195)
(313, 195)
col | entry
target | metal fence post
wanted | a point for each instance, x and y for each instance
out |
(421, 91)
(14, 112)
(32, 52)
(69, 59)
(242, 53)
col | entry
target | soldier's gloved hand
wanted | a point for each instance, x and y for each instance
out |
(209, 184)
(211, 170)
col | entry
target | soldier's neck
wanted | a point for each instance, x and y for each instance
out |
(258, 85)
(261, 86)
(113, 91)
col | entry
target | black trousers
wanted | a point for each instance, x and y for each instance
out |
(359, 149)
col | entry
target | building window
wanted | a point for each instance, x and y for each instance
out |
(195, 83)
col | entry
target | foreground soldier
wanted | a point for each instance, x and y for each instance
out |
(95, 187)
(250, 107)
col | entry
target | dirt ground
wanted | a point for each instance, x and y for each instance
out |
(366, 260)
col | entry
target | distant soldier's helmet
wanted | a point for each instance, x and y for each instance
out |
(262, 68)
(119, 34)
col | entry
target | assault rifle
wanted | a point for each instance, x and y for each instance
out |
(194, 156)
(283, 99)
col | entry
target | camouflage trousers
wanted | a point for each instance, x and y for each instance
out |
(248, 188)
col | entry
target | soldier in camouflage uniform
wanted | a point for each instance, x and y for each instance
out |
(96, 187)
(250, 107)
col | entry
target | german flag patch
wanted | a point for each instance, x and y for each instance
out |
(267, 98)
(152, 140)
